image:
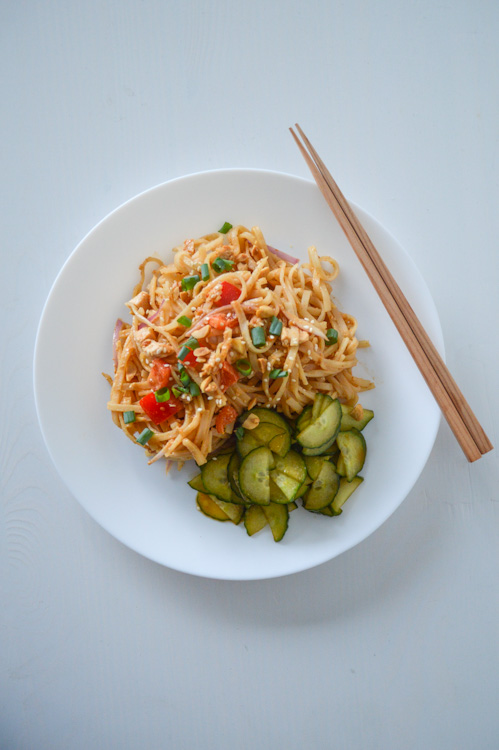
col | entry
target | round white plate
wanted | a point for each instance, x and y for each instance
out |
(138, 504)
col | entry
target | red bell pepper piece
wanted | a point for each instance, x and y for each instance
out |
(225, 416)
(228, 294)
(160, 374)
(228, 376)
(159, 411)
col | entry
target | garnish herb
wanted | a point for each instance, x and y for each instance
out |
(226, 227)
(178, 390)
(221, 264)
(194, 388)
(128, 417)
(184, 321)
(205, 271)
(162, 395)
(239, 433)
(189, 282)
(275, 326)
(144, 436)
(244, 367)
(192, 343)
(332, 335)
(184, 375)
(277, 373)
(258, 336)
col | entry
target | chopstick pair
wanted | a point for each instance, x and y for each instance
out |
(456, 410)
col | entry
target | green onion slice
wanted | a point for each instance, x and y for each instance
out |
(275, 326)
(145, 436)
(189, 282)
(194, 388)
(128, 417)
(221, 264)
(258, 336)
(184, 321)
(178, 390)
(184, 375)
(277, 373)
(205, 271)
(184, 351)
(239, 433)
(332, 335)
(162, 395)
(244, 367)
(192, 343)
(225, 228)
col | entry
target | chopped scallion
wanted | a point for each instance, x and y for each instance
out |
(277, 373)
(205, 271)
(184, 321)
(145, 436)
(184, 375)
(128, 417)
(239, 433)
(221, 264)
(162, 395)
(192, 343)
(332, 335)
(258, 336)
(194, 388)
(244, 367)
(178, 390)
(225, 228)
(184, 351)
(189, 282)
(275, 326)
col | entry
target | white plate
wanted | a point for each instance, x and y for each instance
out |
(138, 504)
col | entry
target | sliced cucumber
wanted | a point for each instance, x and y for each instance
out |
(276, 493)
(340, 466)
(267, 415)
(352, 446)
(215, 479)
(234, 512)
(197, 483)
(304, 419)
(288, 476)
(321, 402)
(346, 488)
(321, 450)
(347, 421)
(209, 507)
(254, 475)
(322, 430)
(254, 519)
(323, 489)
(267, 433)
(314, 466)
(277, 517)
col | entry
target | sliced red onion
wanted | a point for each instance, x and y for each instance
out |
(283, 256)
(152, 317)
(117, 330)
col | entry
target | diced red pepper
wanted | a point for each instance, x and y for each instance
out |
(159, 411)
(160, 374)
(219, 321)
(190, 361)
(225, 416)
(228, 294)
(228, 376)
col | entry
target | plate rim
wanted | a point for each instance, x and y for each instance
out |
(36, 365)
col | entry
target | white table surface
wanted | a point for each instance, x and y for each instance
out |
(395, 643)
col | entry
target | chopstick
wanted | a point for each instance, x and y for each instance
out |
(456, 410)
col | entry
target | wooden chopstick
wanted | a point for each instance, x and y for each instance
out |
(454, 406)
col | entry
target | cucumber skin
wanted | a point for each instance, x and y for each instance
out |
(248, 471)
(318, 433)
(278, 519)
(352, 445)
